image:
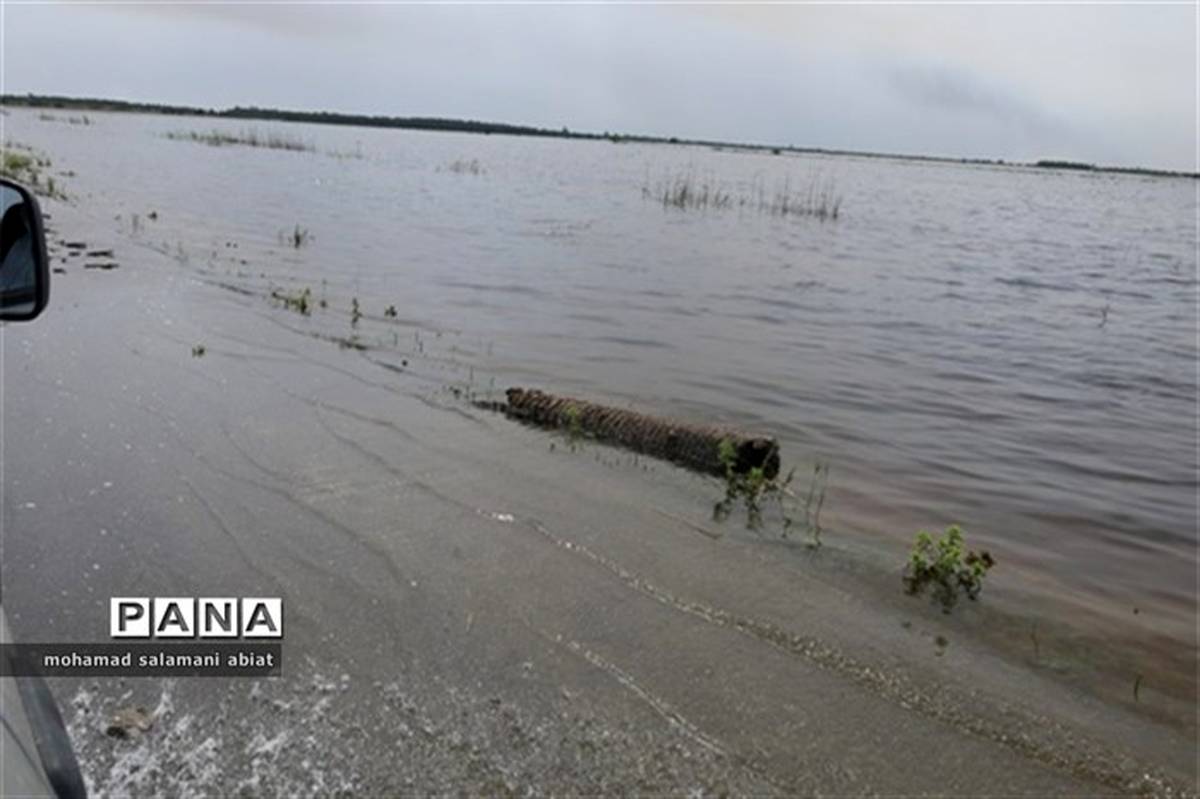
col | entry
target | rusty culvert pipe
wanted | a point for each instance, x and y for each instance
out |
(693, 446)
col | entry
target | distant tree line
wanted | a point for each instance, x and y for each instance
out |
(1127, 170)
(477, 126)
(1048, 164)
(318, 117)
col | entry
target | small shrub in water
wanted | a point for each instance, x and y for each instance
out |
(301, 303)
(755, 489)
(15, 164)
(946, 565)
(752, 487)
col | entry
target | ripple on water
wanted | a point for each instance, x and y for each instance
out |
(941, 342)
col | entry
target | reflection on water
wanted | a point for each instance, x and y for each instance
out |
(1010, 349)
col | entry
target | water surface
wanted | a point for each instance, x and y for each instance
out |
(1014, 350)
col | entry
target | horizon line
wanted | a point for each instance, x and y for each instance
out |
(490, 127)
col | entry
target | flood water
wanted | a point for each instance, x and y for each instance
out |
(1013, 350)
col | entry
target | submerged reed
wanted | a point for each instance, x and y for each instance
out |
(685, 191)
(272, 140)
(463, 167)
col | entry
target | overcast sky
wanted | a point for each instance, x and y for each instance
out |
(1113, 84)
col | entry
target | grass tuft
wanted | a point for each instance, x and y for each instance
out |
(686, 192)
(271, 140)
(70, 120)
(300, 302)
(462, 167)
(22, 163)
(299, 237)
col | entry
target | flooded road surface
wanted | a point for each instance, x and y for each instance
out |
(459, 592)
(1011, 350)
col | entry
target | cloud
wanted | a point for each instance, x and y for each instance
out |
(957, 91)
(313, 22)
(1112, 84)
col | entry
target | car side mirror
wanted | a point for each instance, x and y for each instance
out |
(24, 265)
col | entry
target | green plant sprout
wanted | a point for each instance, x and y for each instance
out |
(755, 490)
(573, 423)
(947, 565)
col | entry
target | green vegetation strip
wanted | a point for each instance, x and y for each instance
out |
(245, 138)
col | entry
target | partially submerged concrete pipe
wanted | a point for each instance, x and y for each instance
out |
(692, 446)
